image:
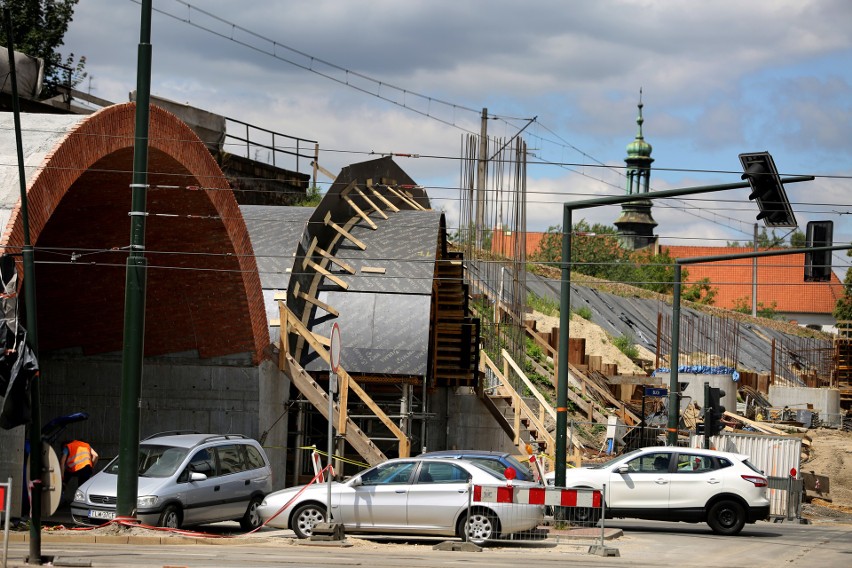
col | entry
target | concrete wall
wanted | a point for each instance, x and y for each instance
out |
(825, 401)
(11, 463)
(692, 388)
(469, 425)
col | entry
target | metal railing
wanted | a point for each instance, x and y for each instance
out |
(281, 149)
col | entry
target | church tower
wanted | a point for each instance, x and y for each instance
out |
(635, 224)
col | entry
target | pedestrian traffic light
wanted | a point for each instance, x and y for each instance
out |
(767, 189)
(818, 263)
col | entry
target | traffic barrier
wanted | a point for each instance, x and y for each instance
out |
(6, 510)
(553, 496)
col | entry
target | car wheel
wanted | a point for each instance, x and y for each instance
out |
(251, 520)
(170, 517)
(305, 517)
(481, 527)
(726, 517)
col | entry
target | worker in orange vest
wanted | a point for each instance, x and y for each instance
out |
(78, 461)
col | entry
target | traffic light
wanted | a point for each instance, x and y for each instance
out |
(818, 264)
(767, 189)
(713, 412)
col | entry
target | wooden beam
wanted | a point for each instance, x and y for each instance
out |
(327, 274)
(370, 202)
(360, 213)
(343, 232)
(376, 192)
(323, 170)
(373, 269)
(413, 204)
(319, 304)
(325, 254)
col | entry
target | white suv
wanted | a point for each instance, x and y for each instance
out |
(185, 479)
(678, 484)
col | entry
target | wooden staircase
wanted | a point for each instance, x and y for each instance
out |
(455, 359)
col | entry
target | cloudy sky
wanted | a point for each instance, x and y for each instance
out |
(360, 77)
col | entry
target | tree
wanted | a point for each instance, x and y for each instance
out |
(843, 308)
(596, 251)
(38, 29)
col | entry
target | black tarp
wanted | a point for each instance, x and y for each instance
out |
(18, 365)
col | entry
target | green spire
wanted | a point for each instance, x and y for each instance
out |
(639, 148)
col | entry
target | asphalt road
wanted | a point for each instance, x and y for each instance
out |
(643, 544)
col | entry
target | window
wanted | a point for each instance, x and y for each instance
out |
(431, 472)
(389, 474)
(230, 459)
(650, 463)
(202, 462)
(694, 463)
(255, 460)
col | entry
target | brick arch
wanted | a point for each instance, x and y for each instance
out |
(203, 290)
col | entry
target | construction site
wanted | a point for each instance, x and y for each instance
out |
(440, 349)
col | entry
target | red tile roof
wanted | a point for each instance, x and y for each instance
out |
(780, 279)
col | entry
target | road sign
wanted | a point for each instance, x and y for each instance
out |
(335, 347)
(656, 391)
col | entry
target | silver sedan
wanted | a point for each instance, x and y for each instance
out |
(423, 496)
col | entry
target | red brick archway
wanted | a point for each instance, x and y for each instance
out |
(203, 291)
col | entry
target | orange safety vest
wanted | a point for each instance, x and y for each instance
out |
(79, 456)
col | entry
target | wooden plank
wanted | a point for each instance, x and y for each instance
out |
(413, 204)
(327, 274)
(319, 304)
(360, 213)
(345, 266)
(343, 232)
(373, 269)
(370, 203)
(376, 192)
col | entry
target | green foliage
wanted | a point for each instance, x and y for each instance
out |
(38, 29)
(743, 305)
(700, 292)
(534, 351)
(843, 308)
(596, 252)
(627, 345)
(544, 305)
(765, 240)
(467, 236)
(312, 198)
(584, 312)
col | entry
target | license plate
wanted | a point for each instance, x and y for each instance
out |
(102, 515)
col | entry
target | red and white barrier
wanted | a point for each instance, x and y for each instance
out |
(538, 496)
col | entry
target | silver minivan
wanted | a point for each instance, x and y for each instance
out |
(185, 479)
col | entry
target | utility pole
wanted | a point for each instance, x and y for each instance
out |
(481, 171)
(134, 292)
(36, 464)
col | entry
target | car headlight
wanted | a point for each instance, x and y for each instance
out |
(79, 496)
(147, 501)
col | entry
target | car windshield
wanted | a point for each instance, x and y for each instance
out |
(154, 461)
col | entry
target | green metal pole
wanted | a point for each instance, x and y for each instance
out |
(134, 293)
(674, 388)
(36, 464)
(562, 375)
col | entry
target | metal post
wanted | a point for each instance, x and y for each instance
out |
(34, 427)
(332, 388)
(754, 277)
(603, 513)
(134, 293)
(674, 410)
(564, 334)
(481, 171)
(707, 423)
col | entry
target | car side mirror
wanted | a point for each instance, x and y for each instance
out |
(622, 469)
(195, 476)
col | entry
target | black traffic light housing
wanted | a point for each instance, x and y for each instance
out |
(767, 189)
(713, 412)
(818, 264)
